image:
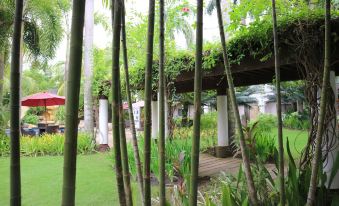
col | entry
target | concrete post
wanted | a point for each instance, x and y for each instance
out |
(223, 139)
(103, 124)
(155, 115)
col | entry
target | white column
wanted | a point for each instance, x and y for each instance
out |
(223, 139)
(103, 121)
(332, 155)
(155, 122)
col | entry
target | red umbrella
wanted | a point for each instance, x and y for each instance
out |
(42, 99)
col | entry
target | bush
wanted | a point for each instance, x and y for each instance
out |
(296, 120)
(47, 144)
(60, 114)
(31, 119)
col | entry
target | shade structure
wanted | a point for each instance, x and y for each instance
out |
(42, 99)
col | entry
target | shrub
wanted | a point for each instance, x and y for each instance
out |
(60, 114)
(296, 120)
(31, 119)
(47, 144)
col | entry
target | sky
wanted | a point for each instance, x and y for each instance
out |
(103, 38)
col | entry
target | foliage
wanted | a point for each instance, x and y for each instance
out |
(4, 118)
(31, 119)
(296, 120)
(46, 144)
(60, 114)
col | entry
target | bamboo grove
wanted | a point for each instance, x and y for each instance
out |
(124, 181)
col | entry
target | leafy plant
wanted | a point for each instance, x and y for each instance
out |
(31, 119)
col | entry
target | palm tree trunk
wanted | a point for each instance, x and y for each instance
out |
(161, 143)
(278, 95)
(130, 109)
(148, 96)
(88, 69)
(197, 107)
(68, 36)
(72, 103)
(246, 161)
(15, 177)
(116, 17)
(322, 112)
(124, 154)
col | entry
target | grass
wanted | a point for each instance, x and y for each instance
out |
(297, 140)
(42, 181)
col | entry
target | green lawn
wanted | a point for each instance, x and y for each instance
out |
(42, 181)
(297, 140)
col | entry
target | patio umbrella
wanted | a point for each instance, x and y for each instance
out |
(43, 99)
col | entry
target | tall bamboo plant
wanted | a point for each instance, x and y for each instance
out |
(15, 177)
(278, 95)
(130, 108)
(321, 121)
(161, 142)
(124, 154)
(72, 103)
(116, 17)
(148, 96)
(197, 107)
(243, 147)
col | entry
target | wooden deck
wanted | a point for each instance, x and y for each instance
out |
(210, 166)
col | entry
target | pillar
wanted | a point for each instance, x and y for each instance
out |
(166, 117)
(103, 124)
(332, 155)
(223, 139)
(155, 115)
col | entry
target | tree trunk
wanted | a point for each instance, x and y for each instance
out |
(244, 153)
(161, 142)
(197, 107)
(68, 35)
(148, 97)
(321, 121)
(15, 177)
(124, 154)
(72, 103)
(88, 68)
(2, 71)
(278, 95)
(130, 109)
(116, 17)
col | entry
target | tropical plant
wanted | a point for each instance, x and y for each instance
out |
(72, 104)
(30, 119)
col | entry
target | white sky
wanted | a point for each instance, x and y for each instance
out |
(103, 38)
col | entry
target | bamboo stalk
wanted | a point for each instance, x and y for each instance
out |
(321, 121)
(130, 109)
(244, 153)
(15, 173)
(72, 103)
(161, 142)
(147, 109)
(278, 95)
(197, 107)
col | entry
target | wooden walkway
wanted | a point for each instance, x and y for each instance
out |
(210, 166)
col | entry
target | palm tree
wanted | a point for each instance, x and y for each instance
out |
(162, 184)
(148, 96)
(116, 19)
(88, 68)
(278, 94)
(246, 161)
(72, 103)
(197, 106)
(326, 76)
(15, 180)
(130, 108)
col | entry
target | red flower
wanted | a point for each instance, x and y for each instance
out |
(185, 9)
